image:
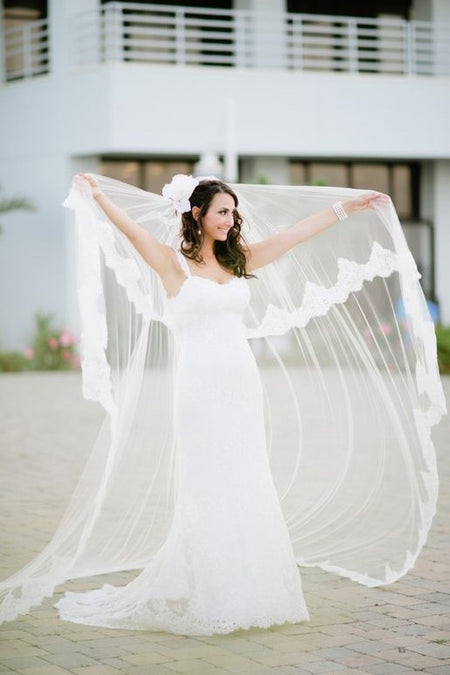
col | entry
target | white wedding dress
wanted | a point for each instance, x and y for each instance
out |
(228, 561)
(178, 487)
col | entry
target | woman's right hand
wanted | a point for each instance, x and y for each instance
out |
(87, 185)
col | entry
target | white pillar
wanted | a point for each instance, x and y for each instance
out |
(431, 10)
(437, 11)
(231, 159)
(266, 43)
(61, 14)
(442, 236)
(59, 43)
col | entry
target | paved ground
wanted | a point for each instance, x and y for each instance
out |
(45, 433)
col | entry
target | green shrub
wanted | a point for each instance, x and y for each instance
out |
(52, 349)
(443, 348)
(12, 362)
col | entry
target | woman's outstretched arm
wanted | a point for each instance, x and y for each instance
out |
(264, 252)
(156, 254)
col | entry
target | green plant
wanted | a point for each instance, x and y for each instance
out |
(52, 349)
(12, 362)
(443, 348)
(320, 181)
(8, 204)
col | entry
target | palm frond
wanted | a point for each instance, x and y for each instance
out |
(8, 204)
(14, 203)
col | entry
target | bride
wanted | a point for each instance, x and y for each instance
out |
(181, 485)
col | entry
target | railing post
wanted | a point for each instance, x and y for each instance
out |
(27, 51)
(113, 32)
(240, 38)
(180, 37)
(297, 42)
(409, 57)
(352, 41)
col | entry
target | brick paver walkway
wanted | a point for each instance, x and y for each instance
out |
(45, 433)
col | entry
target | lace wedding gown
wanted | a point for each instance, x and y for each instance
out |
(227, 562)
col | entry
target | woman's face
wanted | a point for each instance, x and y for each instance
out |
(219, 218)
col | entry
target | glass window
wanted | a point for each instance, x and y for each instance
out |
(401, 190)
(331, 174)
(149, 175)
(297, 173)
(371, 177)
(399, 180)
(158, 173)
(128, 172)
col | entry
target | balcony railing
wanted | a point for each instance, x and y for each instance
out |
(146, 33)
(132, 32)
(26, 50)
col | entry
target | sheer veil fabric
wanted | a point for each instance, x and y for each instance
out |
(347, 356)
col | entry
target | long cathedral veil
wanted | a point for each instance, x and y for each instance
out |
(347, 352)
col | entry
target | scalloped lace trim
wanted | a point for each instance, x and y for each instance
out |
(97, 235)
(318, 299)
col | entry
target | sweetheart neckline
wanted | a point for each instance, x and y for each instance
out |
(196, 276)
(188, 273)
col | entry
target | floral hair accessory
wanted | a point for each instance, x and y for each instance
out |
(179, 190)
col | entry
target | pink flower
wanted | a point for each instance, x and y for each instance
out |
(29, 353)
(66, 355)
(67, 339)
(53, 343)
(386, 329)
(76, 361)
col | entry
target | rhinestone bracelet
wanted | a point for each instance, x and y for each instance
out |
(340, 211)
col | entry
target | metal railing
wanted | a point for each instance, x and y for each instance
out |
(26, 50)
(132, 32)
(146, 33)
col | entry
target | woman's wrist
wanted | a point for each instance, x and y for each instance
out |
(339, 210)
(350, 206)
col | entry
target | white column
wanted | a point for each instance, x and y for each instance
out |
(59, 43)
(431, 10)
(442, 236)
(266, 43)
(437, 11)
(61, 15)
(231, 159)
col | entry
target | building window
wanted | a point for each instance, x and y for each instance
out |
(148, 174)
(400, 180)
(26, 38)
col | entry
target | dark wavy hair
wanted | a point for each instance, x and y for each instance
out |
(229, 253)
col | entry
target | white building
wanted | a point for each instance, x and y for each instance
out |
(281, 91)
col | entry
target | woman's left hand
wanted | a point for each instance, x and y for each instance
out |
(366, 201)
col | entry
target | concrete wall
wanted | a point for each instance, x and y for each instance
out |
(130, 108)
(32, 266)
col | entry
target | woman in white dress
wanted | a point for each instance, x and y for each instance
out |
(180, 485)
(227, 562)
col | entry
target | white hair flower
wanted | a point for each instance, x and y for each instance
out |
(179, 190)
